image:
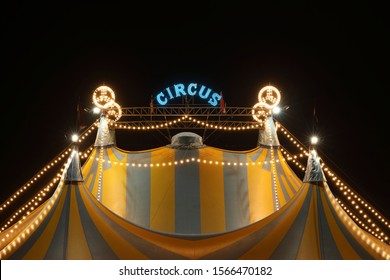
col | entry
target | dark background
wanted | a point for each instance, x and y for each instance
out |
(326, 56)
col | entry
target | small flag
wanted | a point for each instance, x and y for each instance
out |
(222, 104)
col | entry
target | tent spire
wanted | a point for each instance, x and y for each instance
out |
(105, 136)
(267, 134)
(73, 174)
(314, 172)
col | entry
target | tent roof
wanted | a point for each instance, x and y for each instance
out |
(73, 224)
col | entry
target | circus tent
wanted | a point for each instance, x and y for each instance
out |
(187, 200)
(73, 224)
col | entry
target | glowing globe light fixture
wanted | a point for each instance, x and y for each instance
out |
(75, 137)
(314, 140)
(103, 97)
(104, 100)
(114, 112)
(269, 98)
(260, 113)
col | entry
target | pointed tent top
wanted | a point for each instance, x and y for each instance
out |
(267, 135)
(105, 136)
(314, 172)
(73, 173)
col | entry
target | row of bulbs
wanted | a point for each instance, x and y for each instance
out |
(349, 194)
(29, 230)
(45, 169)
(186, 118)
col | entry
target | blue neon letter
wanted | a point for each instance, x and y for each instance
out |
(189, 89)
(214, 99)
(204, 96)
(179, 88)
(161, 99)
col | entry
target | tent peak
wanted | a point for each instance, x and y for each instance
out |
(314, 172)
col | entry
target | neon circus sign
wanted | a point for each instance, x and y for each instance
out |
(192, 89)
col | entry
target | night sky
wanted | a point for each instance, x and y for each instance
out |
(329, 57)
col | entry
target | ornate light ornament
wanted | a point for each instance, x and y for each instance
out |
(269, 98)
(104, 98)
(114, 113)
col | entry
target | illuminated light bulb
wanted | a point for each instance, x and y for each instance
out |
(276, 110)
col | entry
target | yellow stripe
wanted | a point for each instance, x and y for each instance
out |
(346, 250)
(265, 248)
(212, 202)
(259, 188)
(40, 247)
(86, 169)
(114, 184)
(162, 191)
(310, 246)
(77, 247)
(88, 174)
(121, 247)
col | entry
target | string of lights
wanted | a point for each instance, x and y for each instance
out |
(52, 164)
(365, 211)
(29, 230)
(183, 161)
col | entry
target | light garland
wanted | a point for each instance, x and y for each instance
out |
(368, 227)
(100, 168)
(183, 161)
(38, 199)
(289, 157)
(33, 180)
(350, 196)
(29, 206)
(347, 219)
(58, 159)
(29, 230)
(186, 118)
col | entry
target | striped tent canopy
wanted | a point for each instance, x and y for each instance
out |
(73, 224)
(188, 187)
